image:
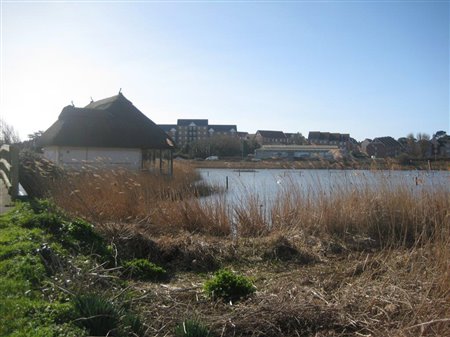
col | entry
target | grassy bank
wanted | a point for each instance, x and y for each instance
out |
(345, 262)
(53, 280)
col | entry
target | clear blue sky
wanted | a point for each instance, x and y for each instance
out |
(366, 68)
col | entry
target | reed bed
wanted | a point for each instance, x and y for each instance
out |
(374, 214)
(379, 217)
(122, 195)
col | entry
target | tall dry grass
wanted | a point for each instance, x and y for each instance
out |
(103, 195)
(373, 214)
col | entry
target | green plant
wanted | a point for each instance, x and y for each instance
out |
(74, 234)
(101, 317)
(229, 286)
(191, 328)
(97, 314)
(142, 269)
(132, 325)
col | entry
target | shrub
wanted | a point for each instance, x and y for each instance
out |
(142, 269)
(229, 286)
(191, 328)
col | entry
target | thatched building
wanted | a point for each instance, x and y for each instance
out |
(110, 132)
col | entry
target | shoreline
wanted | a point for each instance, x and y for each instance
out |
(372, 164)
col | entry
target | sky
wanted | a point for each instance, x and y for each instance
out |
(368, 68)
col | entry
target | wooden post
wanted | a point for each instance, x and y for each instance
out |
(226, 182)
(171, 163)
(160, 161)
(14, 174)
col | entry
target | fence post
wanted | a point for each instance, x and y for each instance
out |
(14, 174)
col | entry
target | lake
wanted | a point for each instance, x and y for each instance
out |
(266, 184)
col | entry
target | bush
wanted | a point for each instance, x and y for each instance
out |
(191, 328)
(225, 284)
(142, 269)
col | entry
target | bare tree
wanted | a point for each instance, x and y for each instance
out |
(8, 135)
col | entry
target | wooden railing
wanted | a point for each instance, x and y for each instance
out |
(9, 169)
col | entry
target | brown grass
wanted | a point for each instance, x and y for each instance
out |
(380, 215)
(121, 195)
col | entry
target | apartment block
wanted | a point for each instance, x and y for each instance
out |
(190, 130)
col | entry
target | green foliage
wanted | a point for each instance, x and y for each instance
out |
(219, 145)
(142, 269)
(15, 240)
(404, 159)
(29, 268)
(63, 330)
(98, 315)
(229, 286)
(23, 310)
(81, 236)
(74, 234)
(32, 316)
(132, 325)
(102, 317)
(191, 328)
(38, 240)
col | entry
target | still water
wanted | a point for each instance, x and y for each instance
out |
(266, 184)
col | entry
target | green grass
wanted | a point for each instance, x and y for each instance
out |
(33, 237)
(191, 328)
(40, 244)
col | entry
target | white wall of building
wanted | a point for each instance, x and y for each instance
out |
(76, 157)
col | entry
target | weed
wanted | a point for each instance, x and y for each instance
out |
(142, 269)
(102, 317)
(132, 325)
(228, 286)
(191, 328)
(96, 314)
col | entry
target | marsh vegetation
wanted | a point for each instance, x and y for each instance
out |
(346, 262)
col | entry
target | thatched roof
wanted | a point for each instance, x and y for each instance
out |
(110, 122)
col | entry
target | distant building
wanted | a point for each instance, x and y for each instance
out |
(224, 130)
(342, 140)
(295, 151)
(295, 138)
(382, 147)
(190, 130)
(110, 132)
(243, 135)
(364, 144)
(266, 137)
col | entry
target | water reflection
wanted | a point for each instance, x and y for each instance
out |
(266, 184)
